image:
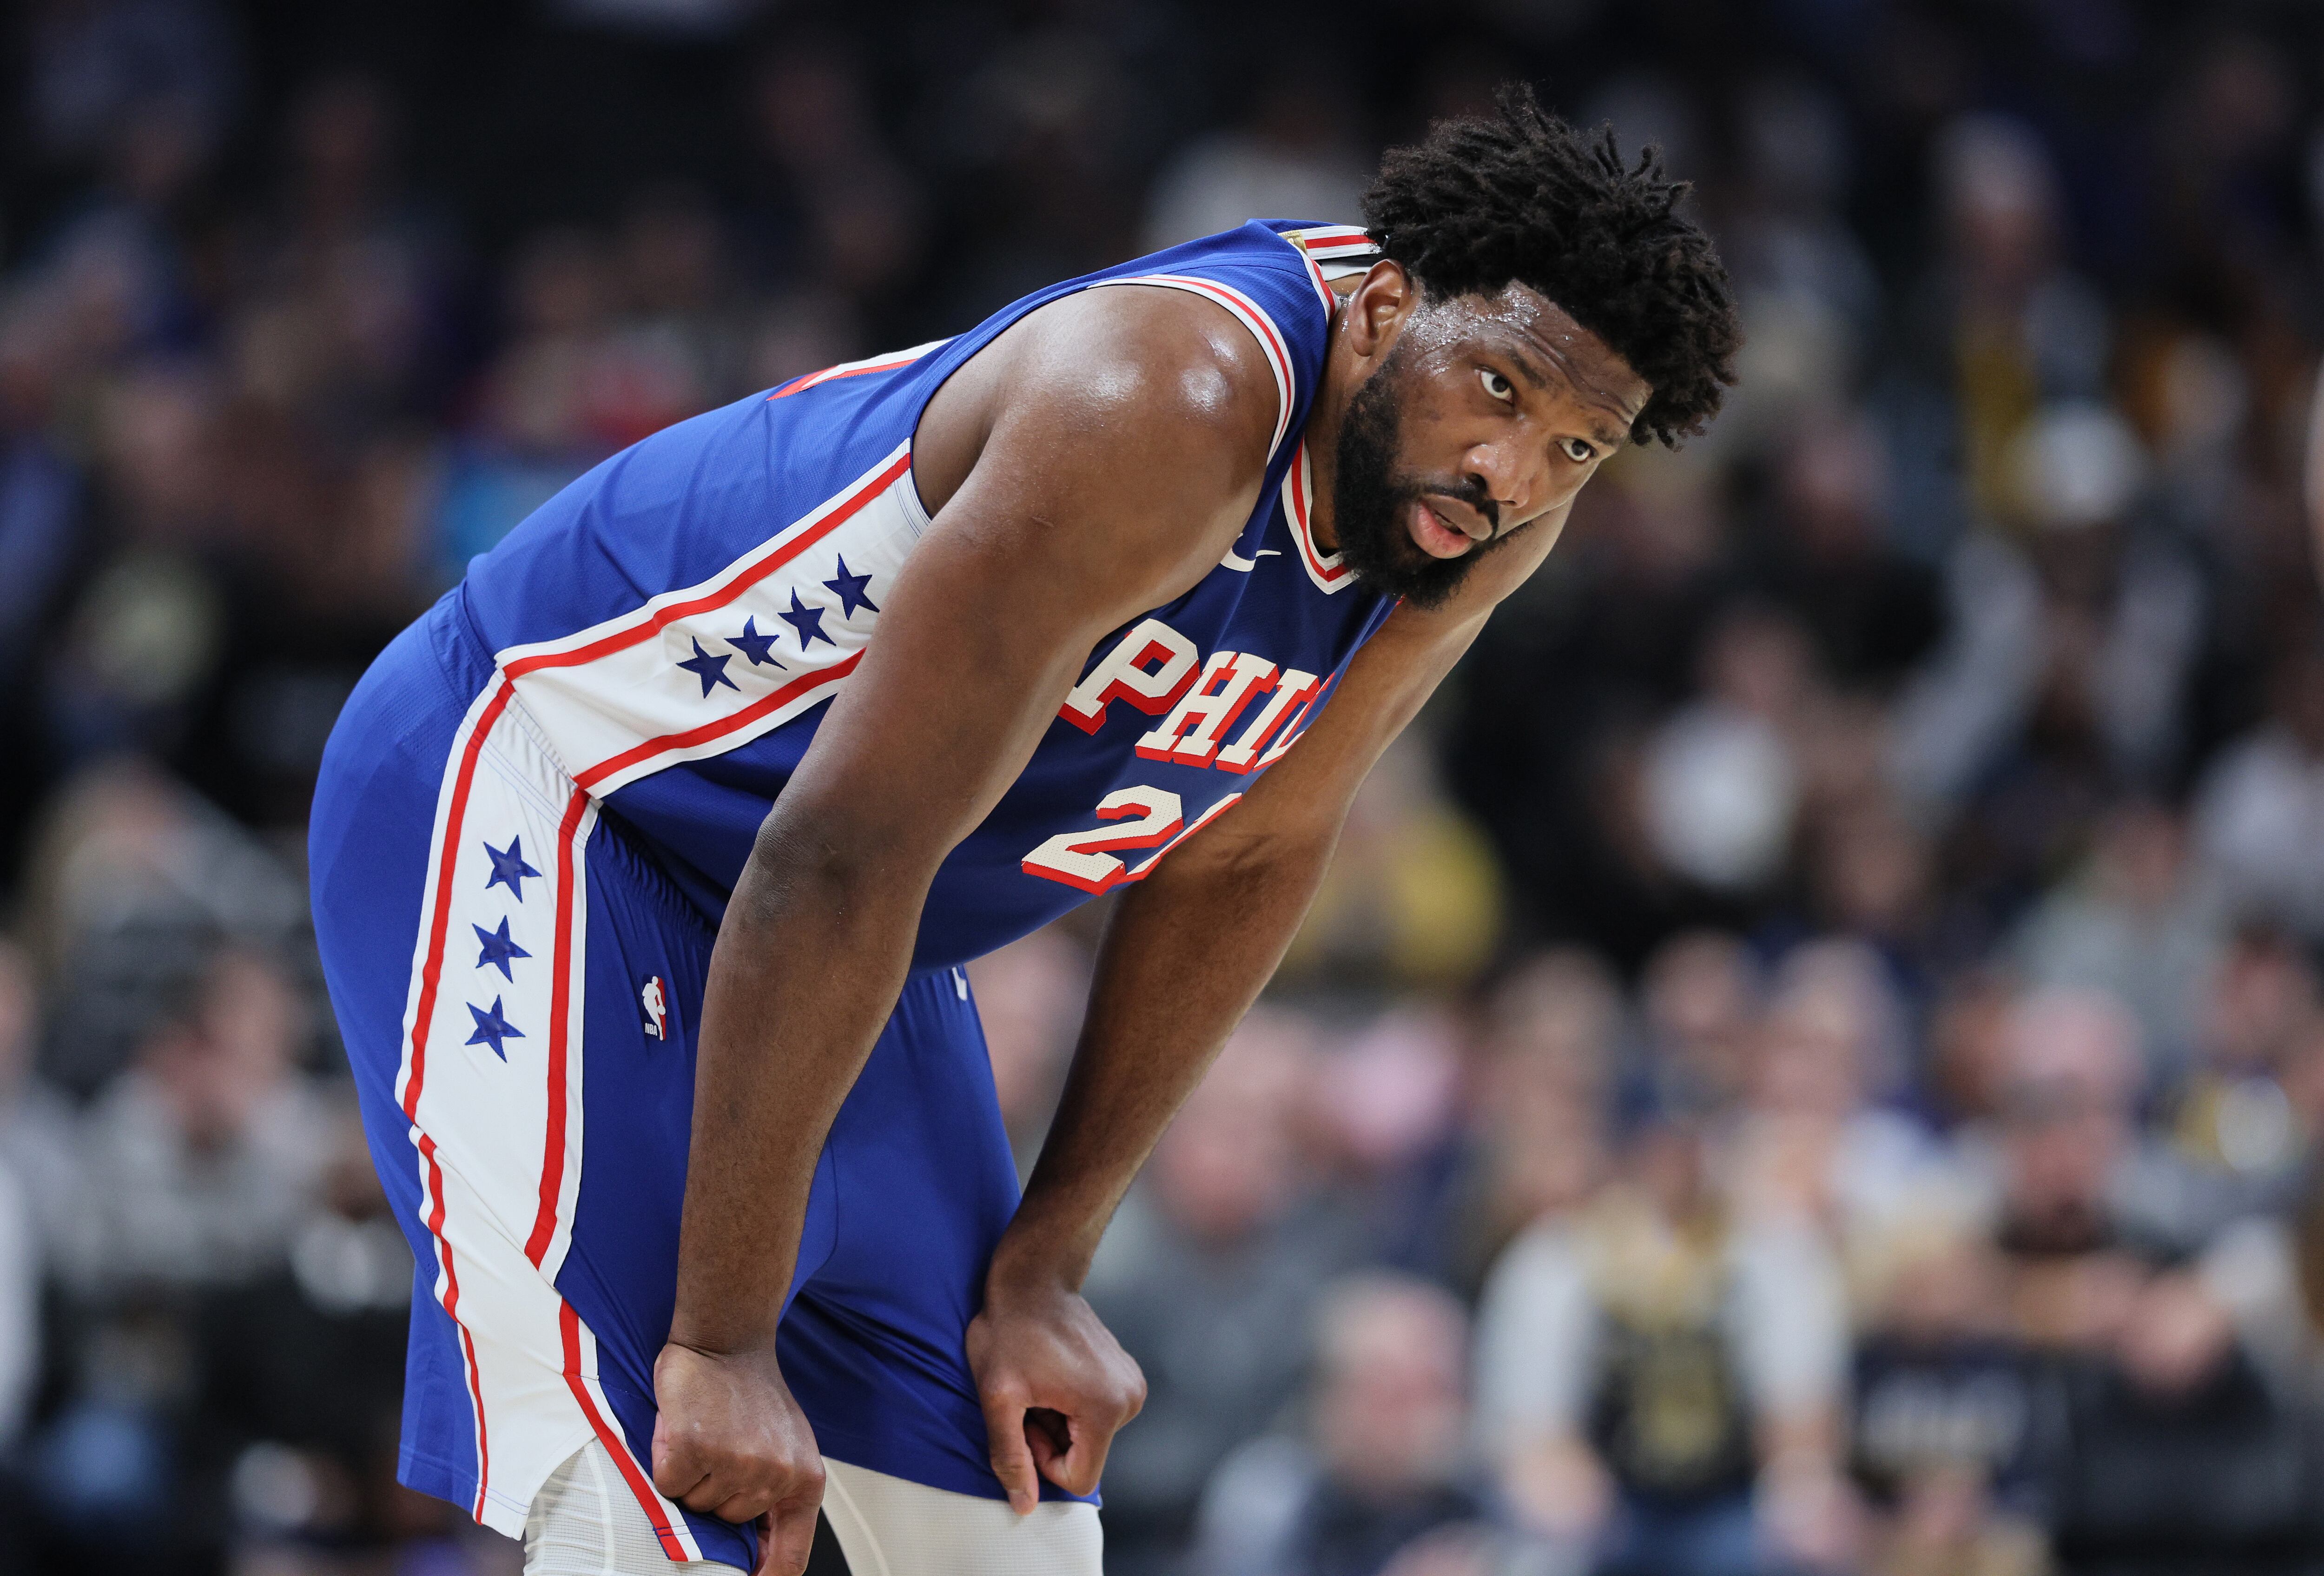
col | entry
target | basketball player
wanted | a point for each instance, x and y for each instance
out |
(644, 873)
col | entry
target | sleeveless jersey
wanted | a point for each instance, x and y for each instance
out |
(671, 624)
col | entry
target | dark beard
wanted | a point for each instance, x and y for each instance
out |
(1368, 500)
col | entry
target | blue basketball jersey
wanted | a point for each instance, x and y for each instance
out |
(671, 625)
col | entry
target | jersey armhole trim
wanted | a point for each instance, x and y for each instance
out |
(1253, 317)
(908, 495)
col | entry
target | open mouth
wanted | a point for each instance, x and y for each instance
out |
(1435, 534)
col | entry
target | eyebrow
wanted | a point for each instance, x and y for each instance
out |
(1606, 436)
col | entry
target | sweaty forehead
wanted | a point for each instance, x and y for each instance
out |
(1552, 351)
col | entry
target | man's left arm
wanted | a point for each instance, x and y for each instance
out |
(1185, 953)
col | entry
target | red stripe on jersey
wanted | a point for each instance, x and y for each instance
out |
(801, 385)
(1302, 530)
(568, 1325)
(447, 857)
(451, 1301)
(560, 1001)
(1273, 340)
(662, 617)
(1253, 317)
(771, 701)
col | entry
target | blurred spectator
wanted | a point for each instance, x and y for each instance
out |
(2175, 1453)
(1662, 1383)
(1948, 1436)
(2141, 924)
(2067, 670)
(2018, 325)
(2233, 1114)
(2262, 806)
(202, 1155)
(1811, 1143)
(1702, 1001)
(93, 64)
(1378, 1119)
(1208, 1279)
(1293, 158)
(1411, 898)
(302, 1380)
(1383, 1460)
(1871, 611)
(833, 207)
(132, 878)
(2085, 1204)
(39, 1134)
(1722, 777)
(1541, 1098)
(1029, 997)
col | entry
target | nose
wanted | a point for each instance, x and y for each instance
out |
(1505, 475)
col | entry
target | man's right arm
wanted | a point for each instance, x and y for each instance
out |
(1118, 455)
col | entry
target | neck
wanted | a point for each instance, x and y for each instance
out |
(1340, 381)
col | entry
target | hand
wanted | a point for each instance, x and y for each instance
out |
(1811, 1514)
(1055, 1383)
(1559, 1488)
(729, 1441)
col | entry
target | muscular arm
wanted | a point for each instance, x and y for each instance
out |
(1096, 466)
(1186, 954)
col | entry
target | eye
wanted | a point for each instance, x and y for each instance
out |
(1498, 386)
(1578, 450)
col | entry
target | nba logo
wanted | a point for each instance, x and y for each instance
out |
(653, 996)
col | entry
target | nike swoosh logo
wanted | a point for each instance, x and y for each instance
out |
(1243, 566)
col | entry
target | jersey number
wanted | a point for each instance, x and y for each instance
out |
(1079, 859)
(1084, 860)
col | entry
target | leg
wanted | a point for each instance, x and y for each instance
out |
(887, 1527)
(467, 924)
(584, 1522)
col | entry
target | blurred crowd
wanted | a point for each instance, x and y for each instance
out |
(1810, 1057)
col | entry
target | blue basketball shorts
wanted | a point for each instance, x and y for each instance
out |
(518, 984)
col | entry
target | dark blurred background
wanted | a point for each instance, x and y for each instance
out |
(1810, 1057)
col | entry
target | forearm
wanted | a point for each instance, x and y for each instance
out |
(1185, 955)
(809, 962)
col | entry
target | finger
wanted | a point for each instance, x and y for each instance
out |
(1079, 1469)
(679, 1468)
(1012, 1460)
(741, 1509)
(794, 1536)
(765, 1527)
(1049, 1435)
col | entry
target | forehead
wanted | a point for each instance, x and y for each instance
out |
(1551, 351)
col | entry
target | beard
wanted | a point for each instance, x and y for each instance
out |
(1370, 501)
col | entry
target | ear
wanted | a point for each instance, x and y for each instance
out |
(1378, 306)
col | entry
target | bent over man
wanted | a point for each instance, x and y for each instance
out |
(646, 863)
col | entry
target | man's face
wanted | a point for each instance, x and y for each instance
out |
(1486, 414)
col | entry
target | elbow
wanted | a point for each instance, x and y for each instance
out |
(1246, 864)
(816, 859)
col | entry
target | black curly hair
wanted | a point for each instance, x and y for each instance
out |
(1522, 195)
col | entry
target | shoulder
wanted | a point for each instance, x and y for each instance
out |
(1546, 1261)
(1164, 355)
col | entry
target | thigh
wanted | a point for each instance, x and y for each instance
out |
(923, 1184)
(584, 1522)
(481, 928)
(888, 1526)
